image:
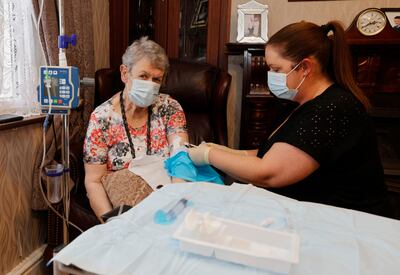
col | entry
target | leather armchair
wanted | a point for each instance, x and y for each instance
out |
(201, 89)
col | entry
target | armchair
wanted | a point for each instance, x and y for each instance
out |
(201, 89)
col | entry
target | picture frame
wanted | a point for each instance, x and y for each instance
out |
(200, 14)
(393, 17)
(252, 23)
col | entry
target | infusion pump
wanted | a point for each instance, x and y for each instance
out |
(59, 86)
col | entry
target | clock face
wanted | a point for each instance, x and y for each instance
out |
(371, 22)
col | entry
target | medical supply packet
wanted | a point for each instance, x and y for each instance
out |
(238, 242)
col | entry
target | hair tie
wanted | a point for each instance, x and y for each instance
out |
(325, 29)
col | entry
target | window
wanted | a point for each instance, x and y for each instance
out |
(20, 58)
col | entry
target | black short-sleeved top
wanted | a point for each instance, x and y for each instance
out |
(336, 131)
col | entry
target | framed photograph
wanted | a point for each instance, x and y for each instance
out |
(393, 16)
(252, 23)
(200, 14)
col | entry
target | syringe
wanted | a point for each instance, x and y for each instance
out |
(169, 215)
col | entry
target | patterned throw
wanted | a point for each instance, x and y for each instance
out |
(125, 188)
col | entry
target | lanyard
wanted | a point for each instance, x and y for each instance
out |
(128, 133)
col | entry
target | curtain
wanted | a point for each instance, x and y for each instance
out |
(20, 58)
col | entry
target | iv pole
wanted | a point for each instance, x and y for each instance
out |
(62, 62)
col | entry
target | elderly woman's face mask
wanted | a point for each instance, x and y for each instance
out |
(145, 81)
(143, 92)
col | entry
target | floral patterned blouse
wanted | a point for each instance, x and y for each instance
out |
(106, 141)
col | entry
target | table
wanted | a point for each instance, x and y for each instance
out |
(332, 240)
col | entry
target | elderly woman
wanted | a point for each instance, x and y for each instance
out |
(135, 122)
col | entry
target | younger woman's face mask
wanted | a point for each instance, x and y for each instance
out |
(143, 92)
(278, 86)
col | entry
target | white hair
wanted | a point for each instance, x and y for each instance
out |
(145, 47)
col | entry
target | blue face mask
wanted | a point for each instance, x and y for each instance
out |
(277, 84)
(181, 166)
(143, 92)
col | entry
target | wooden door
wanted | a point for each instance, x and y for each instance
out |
(167, 28)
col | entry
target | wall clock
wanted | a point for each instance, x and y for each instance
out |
(371, 21)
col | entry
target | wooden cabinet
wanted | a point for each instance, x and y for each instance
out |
(177, 25)
(377, 70)
(174, 28)
(261, 111)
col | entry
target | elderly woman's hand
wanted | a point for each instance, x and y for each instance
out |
(199, 154)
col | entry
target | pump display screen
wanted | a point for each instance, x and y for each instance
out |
(59, 88)
(54, 92)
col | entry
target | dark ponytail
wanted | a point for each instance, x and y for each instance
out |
(342, 62)
(304, 39)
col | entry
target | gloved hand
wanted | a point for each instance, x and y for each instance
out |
(227, 149)
(199, 154)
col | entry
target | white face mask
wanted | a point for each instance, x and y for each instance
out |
(277, 84)
(143, 92)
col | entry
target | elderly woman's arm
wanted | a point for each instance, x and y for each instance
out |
(95, 191)
(184, 138)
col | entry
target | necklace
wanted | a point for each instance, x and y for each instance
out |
(128, 133)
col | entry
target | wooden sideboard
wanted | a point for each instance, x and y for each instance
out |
(376, 65)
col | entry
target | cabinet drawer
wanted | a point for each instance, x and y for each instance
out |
(259, 114)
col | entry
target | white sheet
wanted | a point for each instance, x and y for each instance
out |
(332, 240)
